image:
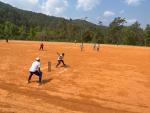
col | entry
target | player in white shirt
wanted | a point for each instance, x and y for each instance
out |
(60, 59)
(35, 69)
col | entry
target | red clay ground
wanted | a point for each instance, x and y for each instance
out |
(114, 80)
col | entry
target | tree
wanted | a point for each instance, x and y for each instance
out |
(115, 29)
(147, 35)
(10, 29)
(137, 34)
(22, 32)
(87, 36)
(2, 31)
(32, 33)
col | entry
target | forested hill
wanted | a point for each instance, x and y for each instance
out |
(27, 25)
(22, 17)
(31, 25)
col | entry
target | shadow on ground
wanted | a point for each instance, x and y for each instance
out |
(66, 66)
(45, 81)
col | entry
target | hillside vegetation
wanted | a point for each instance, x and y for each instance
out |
(26, 25)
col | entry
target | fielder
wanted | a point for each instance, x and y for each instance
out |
(98, 47)
(41, 46)
(81, 46)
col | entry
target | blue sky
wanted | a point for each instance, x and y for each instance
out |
(95, 10)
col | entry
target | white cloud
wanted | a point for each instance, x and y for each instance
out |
(54, 7)
(134, 2)
(108, 13)
(131, 21)
(33, 1)
(21, 2)
(87, 5)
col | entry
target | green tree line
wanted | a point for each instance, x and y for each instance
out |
(26, 25)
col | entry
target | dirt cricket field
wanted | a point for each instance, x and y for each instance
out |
(114, 80)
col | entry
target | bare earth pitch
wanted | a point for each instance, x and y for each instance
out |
(114, 80)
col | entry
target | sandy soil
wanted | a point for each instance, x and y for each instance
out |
(114, 80)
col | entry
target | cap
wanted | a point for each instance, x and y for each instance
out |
(37, 59)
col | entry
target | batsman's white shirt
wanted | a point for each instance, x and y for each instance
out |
(60, 57)
(35, 66)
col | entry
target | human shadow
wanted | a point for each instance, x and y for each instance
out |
(45, 81)
(65, 66)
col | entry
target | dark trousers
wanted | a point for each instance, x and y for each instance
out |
(98, 49)
(41, 47)
(59, 62)
(39, 74)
